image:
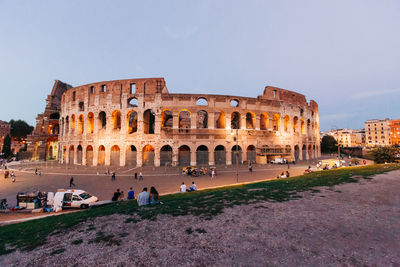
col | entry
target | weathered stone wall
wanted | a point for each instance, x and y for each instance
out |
(145, 124)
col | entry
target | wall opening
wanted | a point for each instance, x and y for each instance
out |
(202, 119)
(234, 103)
(133, 102)
(132, 122)
(219, 119)
(166, 156)
(276, 122)
(115, 156)
(184, 121)
(148, 121)
(148, 155)
(201, 102)
(202, 155)
(250, 120)
(184, 155)
(235, 120)
(89, 155)
(116, 120)
(102, 120)
(220, 155)
(90, 123)
(166, 118)
(101, 155)
(80, 124)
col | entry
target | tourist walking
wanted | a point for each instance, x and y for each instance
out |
(140, 176)
(71, 182)
(135, 175)
(113, 176)
(36, 171)
(250, 167)
(143, 198)
(212, 174)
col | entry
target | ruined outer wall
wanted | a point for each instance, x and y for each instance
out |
(280, 118)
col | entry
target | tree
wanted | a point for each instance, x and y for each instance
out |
(385, 154)
(20, 129)
(6, 147)
(328, 144)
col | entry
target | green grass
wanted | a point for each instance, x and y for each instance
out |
(205, 204)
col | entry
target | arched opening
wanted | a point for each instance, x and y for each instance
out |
(148, 122)
(35, 155)
(295, 124)
(202, 119)
(296, 153)
(202, 155)
(72, 123)
(166, 118)
(201, 102)
(101, 155)
(50, 153)
(184, 155)
(184, 121)
(62, 126)
(89, 155)
(276, 122)
(166, 156)
(286, 123)
(54, 128)
(64, 154)
(102, 120)
(81, 106)
(235, 120)
(250, 120)
(310, 152)
(115, 155)
(251, 154)
(219, 119)
(66, 125)
(264, 121)
(90, 123)
(234, 103)
(116, 120)
(131, 154)
(236, 154)
(80, 124)
(304, 152)
(302, 127)
(79, 155)
(220, 155)
(133, 102)
(132, 122)
(314, 152)
(308, 127)
(71, 155)
(55, 116)
(148, 155)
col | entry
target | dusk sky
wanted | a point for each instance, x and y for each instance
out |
(343, 54)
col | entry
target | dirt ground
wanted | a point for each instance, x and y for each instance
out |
(352, 224)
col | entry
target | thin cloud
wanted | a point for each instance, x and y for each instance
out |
(368, 94)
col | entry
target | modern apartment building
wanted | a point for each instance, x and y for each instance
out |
(395, 132)
(377, 132)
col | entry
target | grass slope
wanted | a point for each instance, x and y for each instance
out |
(205, 203)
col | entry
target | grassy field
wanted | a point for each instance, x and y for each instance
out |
(206, 204)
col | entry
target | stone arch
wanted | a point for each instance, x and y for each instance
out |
(184, 155)
(220, 155)
(251, 153)
(90, 123)
(201, 101)
(133, 102)
(71, 154)
(80, 124)
(101, 156)
(202, 155)
(116, 120)
(132, 119)
(310, 152)
(302, 127)
(131, 154)
(115, 156)
(308, 127)
(148, 121)
(89, 155)
(202, 119)
(234, 102)
(295, 124)
(220, 119)
(286, 123)
(296, 153)
(314, 152)
(55, 116)
(148, 155)
(184, 120)
(72, 123)
(102, 120)
(166, 155)
(67, 125)
(236, 153)
(62, 126)
(79, 155)
(235, 120)
(276, 121)
(264, 123)
(250, 120)
(304, 152)
(166, 118)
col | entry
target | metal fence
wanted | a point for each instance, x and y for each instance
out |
(184, 158)
(220, 157)
(131, 158)
(148, 158)
(202, 157)
(166, 158)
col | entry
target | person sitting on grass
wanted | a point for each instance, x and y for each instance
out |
(283, 175)
(154, 196)
(143, 198)
(193, 187)
(131, 194)
(116, 195)
(183, 188)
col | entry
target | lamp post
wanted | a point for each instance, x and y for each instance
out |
(235, 138)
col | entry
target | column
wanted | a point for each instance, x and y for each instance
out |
(300, 151)
(84, 155)
(107, 153)
(157, 124)
(228, 121)
(228, 157)
(193, 120)
(211, 120)
(139, 157)
(257, 122)
(175, 121)
(175, 157)
(211, 157)
(95, 154)
(122, 155)
(75, 154)
(157, 157)
(243, 121)
(192, 157)
(140, 122)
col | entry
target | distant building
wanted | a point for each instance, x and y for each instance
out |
(395, 132)
(5, 128)
(349, 137)
(377, 132)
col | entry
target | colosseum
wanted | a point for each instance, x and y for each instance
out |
(137, 122)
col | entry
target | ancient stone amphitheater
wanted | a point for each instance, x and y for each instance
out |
(138, 122)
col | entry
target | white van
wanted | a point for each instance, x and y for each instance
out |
(71, 198)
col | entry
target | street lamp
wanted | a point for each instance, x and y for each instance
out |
(235, 138)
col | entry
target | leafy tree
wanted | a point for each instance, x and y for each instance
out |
(328, 144)
(385, 154)
(6, 147)
(20, 129)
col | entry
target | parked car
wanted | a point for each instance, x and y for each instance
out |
(278, 161)
(71, 198)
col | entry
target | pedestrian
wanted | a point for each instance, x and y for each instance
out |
(212, 174)
(183, 188)
(287, 163)
(71, 182)
(287, 174)
(135, 175)
(143, 198)
(36, 171)
(131, 193)
(250, 167)
(113, 176)
(116, 195)
(140, 176)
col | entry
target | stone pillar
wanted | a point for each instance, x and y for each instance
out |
(228, 157)
(193, 120)
(83, 156)
(157, 124)
(157, 157)
(140, 123)
(211, 157)
(175, 156)
(67, 156)
(211, 120)
(75, 155)
(139, 157)
(228, 121)
(300, 151)
(124, 124)
(95, 154)
(122, 155)
(107, 154)
(243, 121)
(193, 157)
(175, 121)
(257, 122)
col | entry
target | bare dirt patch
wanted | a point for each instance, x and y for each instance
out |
(349, 224)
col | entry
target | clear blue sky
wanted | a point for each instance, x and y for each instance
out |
(343, 54)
